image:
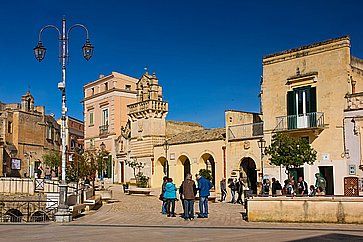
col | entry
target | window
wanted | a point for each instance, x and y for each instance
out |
(93, 91)
(10, 127)
(128, 87)
(106, 86)
(105, 117)
(49, 132)
(91, 121)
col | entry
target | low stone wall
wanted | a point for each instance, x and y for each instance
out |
(306, 209)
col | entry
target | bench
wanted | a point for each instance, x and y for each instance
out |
(77, 209)
(92, 200)
(139, 190)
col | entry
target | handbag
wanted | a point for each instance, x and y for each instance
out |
(161, 197)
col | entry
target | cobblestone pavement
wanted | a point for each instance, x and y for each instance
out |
(138, 218)
(146, 210)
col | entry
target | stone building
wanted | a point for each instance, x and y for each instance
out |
(26, 133)
(303, 95)
(105, 112)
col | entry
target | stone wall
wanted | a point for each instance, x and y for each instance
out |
(306, 209)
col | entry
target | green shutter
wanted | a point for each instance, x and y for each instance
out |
(291, 110)
(291, 103)
(109, 166)
(313, 99)
(313, 116)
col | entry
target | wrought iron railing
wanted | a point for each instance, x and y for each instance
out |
(104, 129)
(301, 121)
(245, 131)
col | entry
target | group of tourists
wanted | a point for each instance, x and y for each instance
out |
(236, 186)
(294, 188)
(187, 192)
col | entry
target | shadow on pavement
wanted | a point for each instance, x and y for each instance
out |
(333, 237)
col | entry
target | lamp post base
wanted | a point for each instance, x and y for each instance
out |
(63, 215)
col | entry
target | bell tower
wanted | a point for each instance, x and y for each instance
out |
(147, 118)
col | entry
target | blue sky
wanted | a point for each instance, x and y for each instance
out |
(207, 54)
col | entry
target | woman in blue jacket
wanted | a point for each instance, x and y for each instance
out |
(170, 196)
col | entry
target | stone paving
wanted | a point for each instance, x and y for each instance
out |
(138, 218)
(146, 210)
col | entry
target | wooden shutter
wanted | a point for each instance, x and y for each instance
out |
(312, 99)
(291, 107)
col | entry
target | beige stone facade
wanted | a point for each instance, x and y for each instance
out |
(105, 112)
(302, 95)
(306, 92)
(26, 134)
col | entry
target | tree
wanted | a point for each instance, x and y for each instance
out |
(290, 152)
(207, 174)
(134, 164)
(52, 159)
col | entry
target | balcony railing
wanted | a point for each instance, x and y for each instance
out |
(301, 121)
(148, 105)
(245, 131)
(104, 129)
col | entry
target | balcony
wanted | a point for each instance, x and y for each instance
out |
(154, 105)
(245, 131)
(103, 129)
(300, 122)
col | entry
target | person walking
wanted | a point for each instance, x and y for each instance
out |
(170, 196)
(163, 206)
(188, 190)
(223, 189)
(204, 186)
(239, 189)
(232, 186)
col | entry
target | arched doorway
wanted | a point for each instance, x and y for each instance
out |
(14, 215)
(248, 173)
(160, 171)
(186, 165)
(209, 164)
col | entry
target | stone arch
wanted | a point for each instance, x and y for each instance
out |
(185, 162)
(39, 216)
(160, 169)
(208, 162)
(14, 215)
(248, 173)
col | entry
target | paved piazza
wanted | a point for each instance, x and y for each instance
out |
(138, 218)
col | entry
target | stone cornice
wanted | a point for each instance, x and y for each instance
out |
(106, 92)
(311, 49)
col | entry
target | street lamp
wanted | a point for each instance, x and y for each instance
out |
(39, 52)
(262, 145)
(166, 147)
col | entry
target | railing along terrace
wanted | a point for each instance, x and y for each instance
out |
(146, 105)
(300, 121)
(103, 129)
(245, 131)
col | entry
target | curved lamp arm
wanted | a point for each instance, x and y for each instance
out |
(48, 27)
(78, 25)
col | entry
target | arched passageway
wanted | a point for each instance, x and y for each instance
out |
(39, 216)
(248, 173)
(186, 165)
(14, 215)
(209, 164)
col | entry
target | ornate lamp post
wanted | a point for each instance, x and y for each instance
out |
(39, 51)
(166, 147)
(262, 145)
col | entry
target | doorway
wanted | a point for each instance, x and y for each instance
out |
(296, 173)
(327, 173)
(186, 165)
(249, 173)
